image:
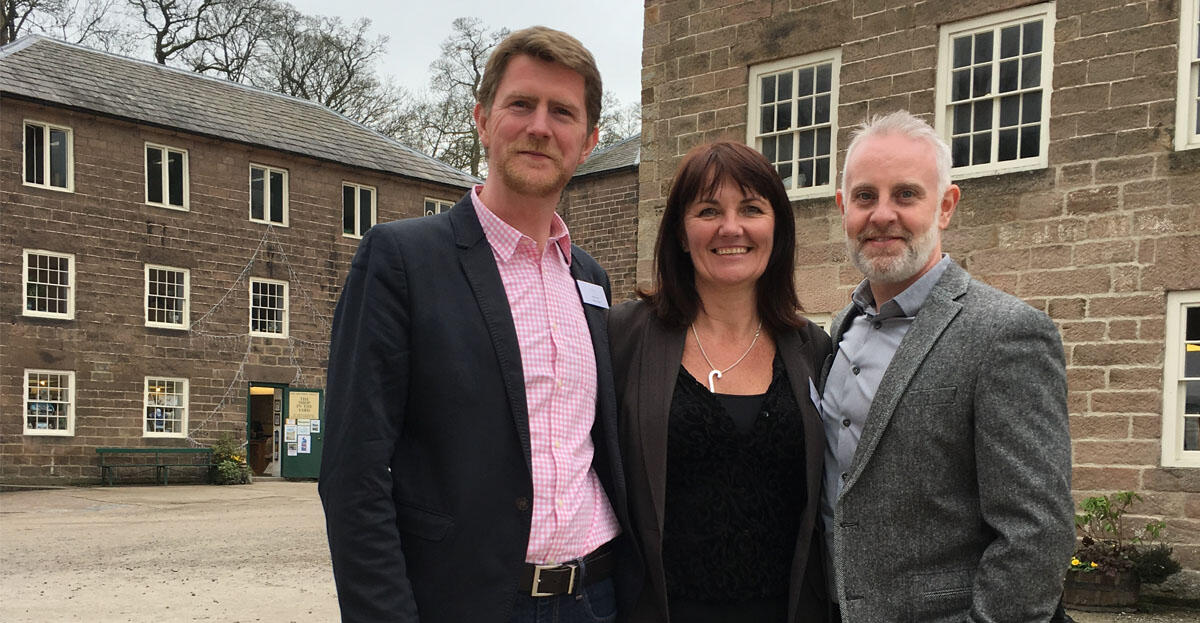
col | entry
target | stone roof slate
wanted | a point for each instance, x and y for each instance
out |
(626, 153)
(41, 68)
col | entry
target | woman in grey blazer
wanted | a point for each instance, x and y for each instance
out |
(714, 369)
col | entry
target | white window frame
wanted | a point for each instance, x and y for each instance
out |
(147, 405)
(46, 127)
(286, 308)
(753, 115)
(1187, 102)
(994, 22)
(69, 431)
(358, 188)
(439, 206)
(267, 171)
(165, 177)
(25, 311)
(1173, 454)
(187, 296)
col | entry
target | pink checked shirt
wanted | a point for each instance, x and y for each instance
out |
(571, 513)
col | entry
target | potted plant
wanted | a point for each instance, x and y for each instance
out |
(1113, 559)
(229, 462)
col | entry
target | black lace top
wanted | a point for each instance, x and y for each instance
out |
(733, 499)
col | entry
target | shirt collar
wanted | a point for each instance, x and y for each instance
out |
(908, 302)
(504, 238)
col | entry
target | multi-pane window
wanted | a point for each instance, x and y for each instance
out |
(1187, 110)
(48, 284)
(166, 407)
(166, 297)
(793, 120)
(358, 209)
(994, 90)
(49, 402)
(1181, 381)
(48, 156)
(268, 194)
(166, 176)
(268, 308)
(437, 206)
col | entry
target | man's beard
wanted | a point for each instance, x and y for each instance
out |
(894, 268)
(532, 182)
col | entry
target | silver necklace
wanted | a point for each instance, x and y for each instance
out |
(718, 373)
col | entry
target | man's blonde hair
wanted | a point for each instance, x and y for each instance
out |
(549, 45)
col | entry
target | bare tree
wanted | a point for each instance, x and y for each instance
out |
(242, 31)
(177, 25)
(18, 16)
(618, 121)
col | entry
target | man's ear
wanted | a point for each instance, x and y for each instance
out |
(589, 145)
(949, 203)
(481, 120)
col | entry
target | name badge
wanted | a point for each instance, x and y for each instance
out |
(592, 294)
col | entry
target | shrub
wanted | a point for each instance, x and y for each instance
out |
(230, 462)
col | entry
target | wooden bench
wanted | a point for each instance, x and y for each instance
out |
(160, 459)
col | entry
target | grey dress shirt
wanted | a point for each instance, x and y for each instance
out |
(861, 357)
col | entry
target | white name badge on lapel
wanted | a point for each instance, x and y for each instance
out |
(815, 397)
(592, 294)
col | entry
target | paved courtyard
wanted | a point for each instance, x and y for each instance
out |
(194, 553)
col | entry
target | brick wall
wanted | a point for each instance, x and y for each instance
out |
(601, 212)
(1096, 239)
(106, 224)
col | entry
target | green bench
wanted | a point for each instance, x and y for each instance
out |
(160, 459)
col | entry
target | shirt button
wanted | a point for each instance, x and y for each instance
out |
(877, 324)
(855, 369)
(846, 422)
(766, 413)
(522, 504)
(557, 443)
(844, 476)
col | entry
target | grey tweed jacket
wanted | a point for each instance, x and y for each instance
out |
(957, 505)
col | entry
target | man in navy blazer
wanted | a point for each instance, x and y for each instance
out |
(470, 469)
(947, 490)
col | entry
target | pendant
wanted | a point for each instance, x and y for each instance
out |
(711, 386)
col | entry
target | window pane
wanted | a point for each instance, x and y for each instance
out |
(960, 150)
(785, 148)
(822, 176)
(348, 209)
(1031, 107)
(1008, 145)
(823, 141)
(783, 115)
(1010, 111)
(256, 193)
(1030, 144)
(768, 149)
(1031, 71)
(981, 148)
(962, 52)
(1033, 37)
(1191, 361)
(785, 173)
(768, 89)
(825, 78)
(804, 112)
(785, 86)
(768, 119)
(154, 175)
(982, 82)
(804, 178)
(35, 172)
(1191, 433)
(1008, 76)
(175, 177)
(983, 115)
(822, 109)
(804, 147)
(983, 47)
(1192, 332)
(1010, 41)
(276, 197)
(804, 82)
(366, 199)
(58, 158)
(962, 119)
(960, 87)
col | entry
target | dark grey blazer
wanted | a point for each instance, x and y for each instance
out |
(957, 505)
(425, 473)
(646, 358)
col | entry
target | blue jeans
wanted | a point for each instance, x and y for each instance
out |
(594, 604)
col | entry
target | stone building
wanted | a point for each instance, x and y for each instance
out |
(1074, 129)
(171, 250)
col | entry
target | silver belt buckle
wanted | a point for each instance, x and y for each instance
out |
(537, 579)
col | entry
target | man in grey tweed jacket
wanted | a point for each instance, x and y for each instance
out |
(947, 490)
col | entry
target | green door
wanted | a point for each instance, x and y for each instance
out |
(304, 414)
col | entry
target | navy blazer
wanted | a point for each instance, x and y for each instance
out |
(426, 471)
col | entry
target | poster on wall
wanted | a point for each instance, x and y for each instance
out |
(302, 427)
(289, 435)
(303, 441)
(292, 449)
(314, 426)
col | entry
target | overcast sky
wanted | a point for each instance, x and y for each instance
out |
(611, 30)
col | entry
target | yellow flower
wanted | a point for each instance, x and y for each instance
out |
(1075, 562)
(1094, 565)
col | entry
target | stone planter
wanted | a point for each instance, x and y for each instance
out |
(1096, 590)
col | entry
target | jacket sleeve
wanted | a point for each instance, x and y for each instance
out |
(367, 386)
(1023, 462)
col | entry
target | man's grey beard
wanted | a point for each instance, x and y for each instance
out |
(892, 269)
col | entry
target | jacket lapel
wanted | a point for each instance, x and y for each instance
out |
(479, 266)
(795, 350)
(933, 318)
(663, 349)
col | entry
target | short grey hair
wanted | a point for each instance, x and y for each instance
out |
(903, 123)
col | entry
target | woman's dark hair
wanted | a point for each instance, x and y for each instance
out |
(703, 170)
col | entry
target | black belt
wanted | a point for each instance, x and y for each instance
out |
(567, 578)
